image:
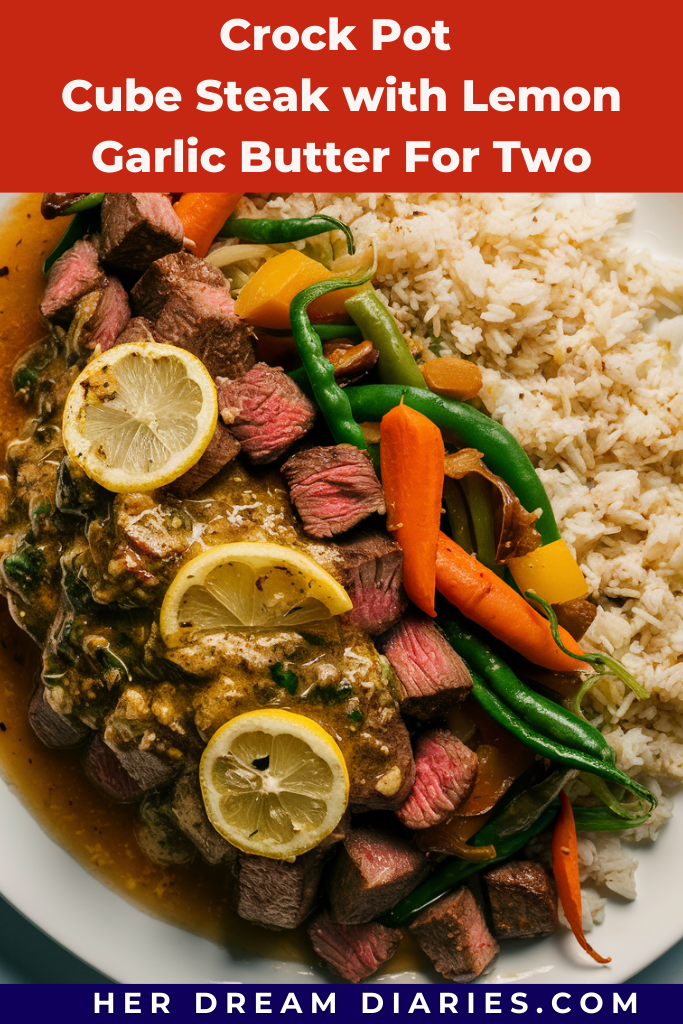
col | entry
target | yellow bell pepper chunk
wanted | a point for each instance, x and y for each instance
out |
(264, 300)
(551, 572)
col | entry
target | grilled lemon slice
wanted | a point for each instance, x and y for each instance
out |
(274, 783)
(248, 585)
(140, 415)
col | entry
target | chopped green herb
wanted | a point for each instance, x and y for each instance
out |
(284, 677)
(332, 694)
(25, 567)
(355, 716)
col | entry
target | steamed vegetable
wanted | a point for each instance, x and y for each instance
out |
(263, 229)
(553, 720)
(412, 461)
(504, 455)
(452, 377)
(481, 596)
(267, 297)
(551, 571)
(396, 365)
(203, 215)
(566, 872)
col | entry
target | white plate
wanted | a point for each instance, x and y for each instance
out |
(59, 896)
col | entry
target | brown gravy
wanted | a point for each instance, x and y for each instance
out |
(95, 831)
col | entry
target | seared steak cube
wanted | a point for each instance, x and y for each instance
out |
(200, 318)
(110, 318)
(187, 807)
(388, 791)
(221, 449)
(53, 729)
(138, 228)
(523, 900)
(72, 276)
(105, 771)
(265, 410)
(373, 576)
(432, 678)
(453, 934)
(333, 488)
(445, 772)
(168, 275)
(371, 872)
(137, 329)
(353, 951)
(276, 894)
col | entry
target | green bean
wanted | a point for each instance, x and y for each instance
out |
(478, 493)
(549, 718)
(599, 788)
(395, 364)
(453, 871)
(328, 332)
(266, 231)
(331, 399)
(458, 518)
(549, 748)
(503, 454)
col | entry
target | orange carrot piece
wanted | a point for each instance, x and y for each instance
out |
(203, 215)
(486, 599)
(412, 461)
(566, 872)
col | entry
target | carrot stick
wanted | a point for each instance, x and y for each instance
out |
(486, 599)
(412, 462)
(566, 872)
(203, 215)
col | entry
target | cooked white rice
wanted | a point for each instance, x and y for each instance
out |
(578, 336)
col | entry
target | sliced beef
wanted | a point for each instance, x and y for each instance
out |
(138, 228)
(371, 872)
(221, 450)
(445, 772)
(71, 277)
(109, 319)
(575, 616)
(453, 934)
(159, 835)
(265, 410)
(58, 204)
(187, 807)
(103, 768)
(51, 728)
(168, 275)
(138, 329)
(373, 576)
(200, 318)
(353, 951)
(431, 677)
(276, 894)
(333, 488)
(523, 900)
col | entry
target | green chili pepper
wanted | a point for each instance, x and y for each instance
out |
(264, 230)
(395, 364)
(550, 748)
(604, 663)
(77, 229)
(331, 399)
(328, 332)
(86, 203)
(601, 819)
(454, 871)
(502, 453)
(552, 720)
(600, 789)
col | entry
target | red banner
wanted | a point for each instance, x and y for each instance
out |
(390, 96)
